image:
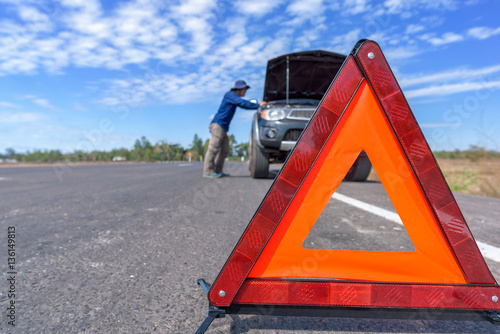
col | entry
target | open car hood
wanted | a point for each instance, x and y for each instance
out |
(310, 75)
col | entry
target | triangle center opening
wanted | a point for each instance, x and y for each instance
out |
(347, 223)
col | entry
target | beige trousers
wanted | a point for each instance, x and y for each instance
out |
(218, 150)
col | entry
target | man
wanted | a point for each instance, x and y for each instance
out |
(218, 149)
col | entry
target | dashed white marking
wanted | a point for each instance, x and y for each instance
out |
(184, 165)
(389, 215)
(488, 251)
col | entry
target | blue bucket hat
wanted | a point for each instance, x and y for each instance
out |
(240, 84)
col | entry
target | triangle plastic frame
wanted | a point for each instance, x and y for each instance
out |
(478, 290)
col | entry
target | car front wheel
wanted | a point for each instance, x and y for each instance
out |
(360, 169)
(259, 161)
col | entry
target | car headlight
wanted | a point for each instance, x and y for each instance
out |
(273, 114)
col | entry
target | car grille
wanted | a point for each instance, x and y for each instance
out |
(292, 135)
(301, 113)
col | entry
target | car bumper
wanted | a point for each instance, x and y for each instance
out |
(279, 135)
(287, 145)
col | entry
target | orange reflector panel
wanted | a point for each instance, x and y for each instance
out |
(362, 127)
(364, 109)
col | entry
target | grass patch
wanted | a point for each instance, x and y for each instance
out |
(481, 177)
(465, 181)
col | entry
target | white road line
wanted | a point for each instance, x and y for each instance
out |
(389, 215)
(184, 165)
(488, 251)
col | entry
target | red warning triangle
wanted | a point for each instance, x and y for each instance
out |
(362, 127)
(364, 109)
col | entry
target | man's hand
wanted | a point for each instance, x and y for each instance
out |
(263, 103)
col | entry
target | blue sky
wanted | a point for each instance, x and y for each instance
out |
(97, 75)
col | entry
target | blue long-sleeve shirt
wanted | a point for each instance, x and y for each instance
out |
(228, 107)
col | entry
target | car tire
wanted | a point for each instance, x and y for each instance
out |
(259, 162)
(360, 169)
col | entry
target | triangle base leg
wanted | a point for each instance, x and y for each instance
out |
(493, 317)
(213, 311)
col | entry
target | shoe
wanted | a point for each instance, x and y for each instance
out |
(213, 176)
(225, 174)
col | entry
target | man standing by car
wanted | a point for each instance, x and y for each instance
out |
(218, 149)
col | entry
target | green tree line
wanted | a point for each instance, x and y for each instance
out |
(143, 150)
(474, 153)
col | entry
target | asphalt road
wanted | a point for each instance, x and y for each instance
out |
(118, 248)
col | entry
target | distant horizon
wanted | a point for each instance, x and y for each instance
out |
(98, 74)
(112, 149)
(471, 148)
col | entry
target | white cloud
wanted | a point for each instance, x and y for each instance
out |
(28, 97)
(256, 7)
(308, 36)
(394, 6)
(167, 88)
(4, 104)
(194, 17)
(452, 37)
(134, 32)
(195, 7)
(111, 102)
(21, 117)
(79, 107)
(483, 32)
(354, 7)
(405, 52)
(85, 17)
(303, 10)
(452, 82)
(201, 55)
(207, 84)
(17, 65)
(41, 102)
(237, 56)
(35, 20)
(432, 21)
(439, 125)
(44, 103)
(446, 38)
(414, 28)
(407, 8)
(454, 75)
(443, 90)
(343, 43)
